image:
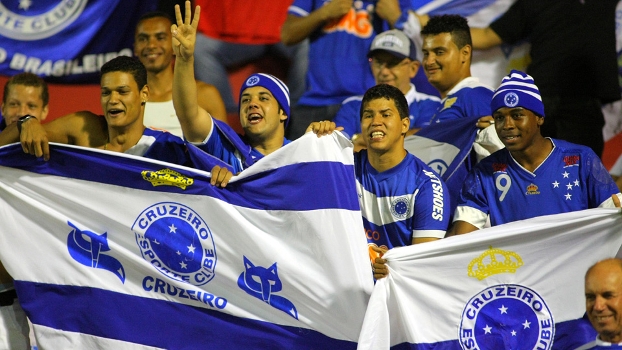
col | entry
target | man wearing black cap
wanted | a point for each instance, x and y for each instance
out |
(264, 106)
(393, 61)
(532, 175)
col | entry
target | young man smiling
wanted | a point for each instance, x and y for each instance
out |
(393, 61)
(124, 92)
(446, 61)
(532, 175)
(264, 106)
(24, 93)
(153, 45)
(403, 201)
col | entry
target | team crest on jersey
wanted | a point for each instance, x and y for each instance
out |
(449, 102)
(532, 189)
(263, 284)
(506, 316)
(29, 20)
(177, 242)
(88, 247)
(510, 99)
(400, 208)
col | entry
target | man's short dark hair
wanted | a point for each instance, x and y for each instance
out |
(127, 65)
(387, 92)
(27, 79)
(456, 25)
(155, 14)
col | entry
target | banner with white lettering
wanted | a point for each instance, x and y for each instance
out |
(513, 286)
(111, 251)
(66, 41)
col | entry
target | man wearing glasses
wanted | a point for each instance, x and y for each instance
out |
(392, 58)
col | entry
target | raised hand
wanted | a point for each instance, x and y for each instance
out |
(185, 32)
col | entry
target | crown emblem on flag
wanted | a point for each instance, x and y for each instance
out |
(494, 261)
(167, 177)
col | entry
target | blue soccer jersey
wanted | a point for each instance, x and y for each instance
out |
(571, 178)
(338, 64)
(233, 149)
(469, 98)
(600, 345)
(421, 109)
(405, 202)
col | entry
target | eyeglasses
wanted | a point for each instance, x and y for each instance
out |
(390, 64)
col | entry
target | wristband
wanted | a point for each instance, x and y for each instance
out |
(21, 121)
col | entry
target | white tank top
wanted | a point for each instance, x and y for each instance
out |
(161, 116)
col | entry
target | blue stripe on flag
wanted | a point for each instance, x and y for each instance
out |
(159, 323)
(568, 335)
(251, 192)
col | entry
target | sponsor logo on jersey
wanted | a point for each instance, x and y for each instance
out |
(499, 167)
(356, 22)
(571, 160)
(506, 316)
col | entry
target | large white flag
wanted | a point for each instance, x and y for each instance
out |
(111, 251)
(514, 286)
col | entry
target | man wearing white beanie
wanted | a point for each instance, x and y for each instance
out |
(532, 175)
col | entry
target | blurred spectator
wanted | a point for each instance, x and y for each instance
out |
(393, 61)
(24, 93)
(232, 33)
(154, 48)
(340, 33)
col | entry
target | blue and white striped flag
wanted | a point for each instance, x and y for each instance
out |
(111, 251)
(513, 286)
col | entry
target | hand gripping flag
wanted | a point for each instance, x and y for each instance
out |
(513, 286)
(111, 251)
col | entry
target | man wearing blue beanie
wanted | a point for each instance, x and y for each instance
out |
(532, 175)
(264, 107)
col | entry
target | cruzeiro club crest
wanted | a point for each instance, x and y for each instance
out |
(87, 247)
(177, 242)
(263, 283)
(506, 316)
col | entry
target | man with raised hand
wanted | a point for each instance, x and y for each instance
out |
(264, 106)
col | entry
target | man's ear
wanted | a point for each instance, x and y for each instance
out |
(465, 51)
(144, 94)
(414, 68)
(405, 125)
(282, 116)
(44, 112)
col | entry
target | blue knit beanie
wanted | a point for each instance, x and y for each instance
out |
(277, 88)
(517, 89)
